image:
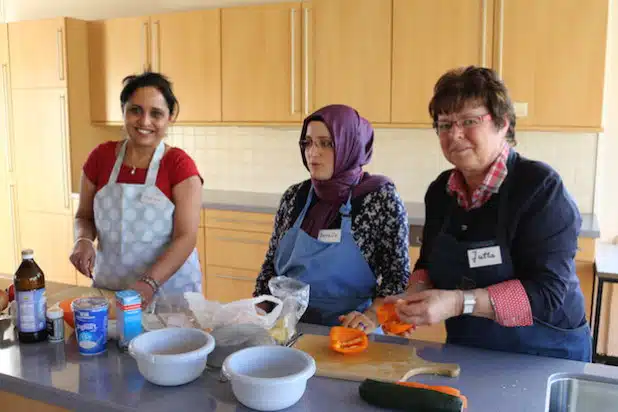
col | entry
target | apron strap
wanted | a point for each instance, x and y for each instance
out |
(153, 168)
(116, 170)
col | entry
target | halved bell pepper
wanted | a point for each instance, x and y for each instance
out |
(444, 389)
(387, 316)
(348, 340)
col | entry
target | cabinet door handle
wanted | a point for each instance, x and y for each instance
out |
(63, 147)
(156, 45)
(60, 50)
(12, 207)
(484, 34)
(7, 117)
(241, 240)
(230, 277)
(242, 221)
(293, 60)
(500, 37)
(145, 46)
(306, 56)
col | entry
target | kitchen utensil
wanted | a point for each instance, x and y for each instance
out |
(232, 338)
(380, 361)
(172, 356)
(269, 378)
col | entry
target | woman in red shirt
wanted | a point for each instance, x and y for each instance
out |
(141, 200)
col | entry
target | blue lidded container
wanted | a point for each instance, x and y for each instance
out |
(91, 316)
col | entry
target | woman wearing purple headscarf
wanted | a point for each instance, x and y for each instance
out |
(344, 231)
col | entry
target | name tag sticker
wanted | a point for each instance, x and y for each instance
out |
(330, 235)
(485, 256)
(151, 198)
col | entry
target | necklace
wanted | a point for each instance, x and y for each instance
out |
(133, 170)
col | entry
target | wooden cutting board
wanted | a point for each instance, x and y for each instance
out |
(381, 361)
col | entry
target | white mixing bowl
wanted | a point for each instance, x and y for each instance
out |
(172, 356)
(269, 378)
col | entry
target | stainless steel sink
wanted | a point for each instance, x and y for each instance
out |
(573, 392)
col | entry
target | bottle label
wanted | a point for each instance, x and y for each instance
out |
(31, 308)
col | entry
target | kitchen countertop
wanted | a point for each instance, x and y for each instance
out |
(56, 374)
(269, 202)
(606, 261)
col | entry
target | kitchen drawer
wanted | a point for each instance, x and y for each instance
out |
(236, 249)
(585, 252)
(415, 253)
(227, 284)
(202, 218)
(245, 221)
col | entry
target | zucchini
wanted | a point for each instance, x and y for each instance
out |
(405, 398)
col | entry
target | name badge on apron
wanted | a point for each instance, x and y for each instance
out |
(330, 235)
(151, 198)
(485, 256)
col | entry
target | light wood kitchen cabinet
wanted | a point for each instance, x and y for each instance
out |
(38, 53)
(261, 63)
(236, 244)
(429, 38)
(183, 46)
(551, 54)
(42, 150)
(118, 48)
(349, 57)
(52, 135)
(186, 47)
(201, 249)
(8, 246)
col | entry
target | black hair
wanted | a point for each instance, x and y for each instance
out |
(150, 79)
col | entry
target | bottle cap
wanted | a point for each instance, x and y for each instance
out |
(55, 312)
(27, 254)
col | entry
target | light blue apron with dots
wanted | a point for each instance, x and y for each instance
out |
(134, 225)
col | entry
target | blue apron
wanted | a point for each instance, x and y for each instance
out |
(340, 280)
(449, 269)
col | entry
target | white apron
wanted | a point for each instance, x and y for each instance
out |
(134, 226)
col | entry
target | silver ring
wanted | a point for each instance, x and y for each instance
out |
(362, 325)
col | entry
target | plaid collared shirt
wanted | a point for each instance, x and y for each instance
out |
(491, 184)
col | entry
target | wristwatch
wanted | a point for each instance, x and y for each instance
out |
(469, 302)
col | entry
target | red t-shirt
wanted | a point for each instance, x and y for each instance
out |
(176, 166)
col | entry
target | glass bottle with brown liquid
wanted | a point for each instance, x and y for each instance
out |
(29, 282)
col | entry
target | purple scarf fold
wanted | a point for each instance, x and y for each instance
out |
(352, 136)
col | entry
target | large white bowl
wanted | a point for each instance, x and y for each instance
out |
(172, 356)
(269, 378)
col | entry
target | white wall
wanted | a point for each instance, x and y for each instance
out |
(607, 174)
(102, 9)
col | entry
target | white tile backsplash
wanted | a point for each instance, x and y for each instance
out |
(264, 159)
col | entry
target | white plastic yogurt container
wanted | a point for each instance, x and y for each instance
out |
(91, 315)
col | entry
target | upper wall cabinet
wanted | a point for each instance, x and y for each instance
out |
(350, 55)
(118, 48)
(551, 54)
(429, 38)
(186, 47)
(38, 54)
(183, 46)
(261, 63)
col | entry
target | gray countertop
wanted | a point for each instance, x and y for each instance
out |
(606, 261)
(269, 202)
(58, 375)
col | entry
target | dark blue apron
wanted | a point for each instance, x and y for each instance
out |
(450, 269)
(340, 279)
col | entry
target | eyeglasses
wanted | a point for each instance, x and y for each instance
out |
(305, 144)
(444, 126)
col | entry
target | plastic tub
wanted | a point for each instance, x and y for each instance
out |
(269, 378)
(172, 356)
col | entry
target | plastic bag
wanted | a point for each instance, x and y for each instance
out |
(212, 315)
(171, 310)
(295, 297)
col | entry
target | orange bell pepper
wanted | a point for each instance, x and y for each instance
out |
(390, 321)
(348, 340)
(444, 389)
